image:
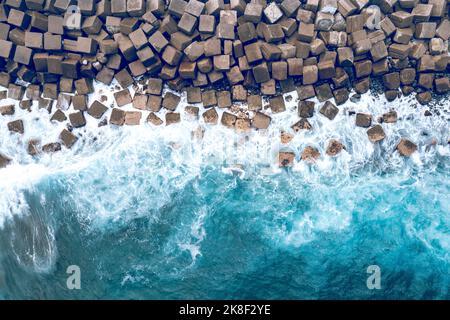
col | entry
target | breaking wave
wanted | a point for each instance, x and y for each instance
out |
(151, 206)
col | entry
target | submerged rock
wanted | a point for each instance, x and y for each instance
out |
(33, 147)
(172, 118)
(391, 95)
(376, 133)
(103, 123)
(97, 109)
(228, 119)
(286, 137)
(68, 138)
(310, 154)
(211, 116)
(198, 133)
(192, 112)
(302, 124)
(407, 90)
(16, 126)
(58, 116)
(117, 117)
(286, 159)
(334, 148)
(261, 121)
(390, 117)
(242, 125)
(154, 119)
(306, 109)
(77, 119)
(329, 110)
(424, 97)
(363, 120)
(4, 161)
(406, 148)
(133, 118)
(52, 147)
(7, 110)
(355, 98)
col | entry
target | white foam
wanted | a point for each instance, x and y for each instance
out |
(152, 154)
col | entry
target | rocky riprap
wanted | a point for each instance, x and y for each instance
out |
(220, 53)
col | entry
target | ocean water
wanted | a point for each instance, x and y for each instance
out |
(159, 213)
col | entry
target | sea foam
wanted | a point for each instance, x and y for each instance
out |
(116, 174)
(117, 152)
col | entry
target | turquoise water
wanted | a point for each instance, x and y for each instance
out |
(155, 213)
(220, 236)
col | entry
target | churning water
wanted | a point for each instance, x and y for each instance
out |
(156, 212)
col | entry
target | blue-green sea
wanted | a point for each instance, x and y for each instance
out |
(148, 213)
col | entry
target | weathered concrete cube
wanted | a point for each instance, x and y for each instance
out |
(306, 109)
(279, 70)
(18, 18)
(221, 62)
(253, 12)
(171, 56)
(295, 66)
(363, 120)
(79, 102)
(422, 12)
(5, 49)
(247, 32)
(158, 41)
(193, 95)
(52, 42)
(211, 116)
(228, 17)
(402, 19)
(290, 7)
(387, 26)
(329, 110)
(261, 121)
(323, 92)
(403, 35)
(225, 31)
(123, 97)
(439, 7)
(117, 117)
(376, 133)
(391, 80)
(133, 118)
(273, 13)
(273, 33)
(195, 7)
(261, 73)
(187, 23)
(253, 53)
(277, 104)
(23, 55)
(138, 38)
(207, 23)
(310, 74)
(324, 21)
(171, 101)
(425, 30)
(209, 98)
(305, 32)
(92, 25)
(154, 103)
(136, 8)
(443, 31)
(77, 119)
(124, 78)
(66, 137)
(194, 51)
